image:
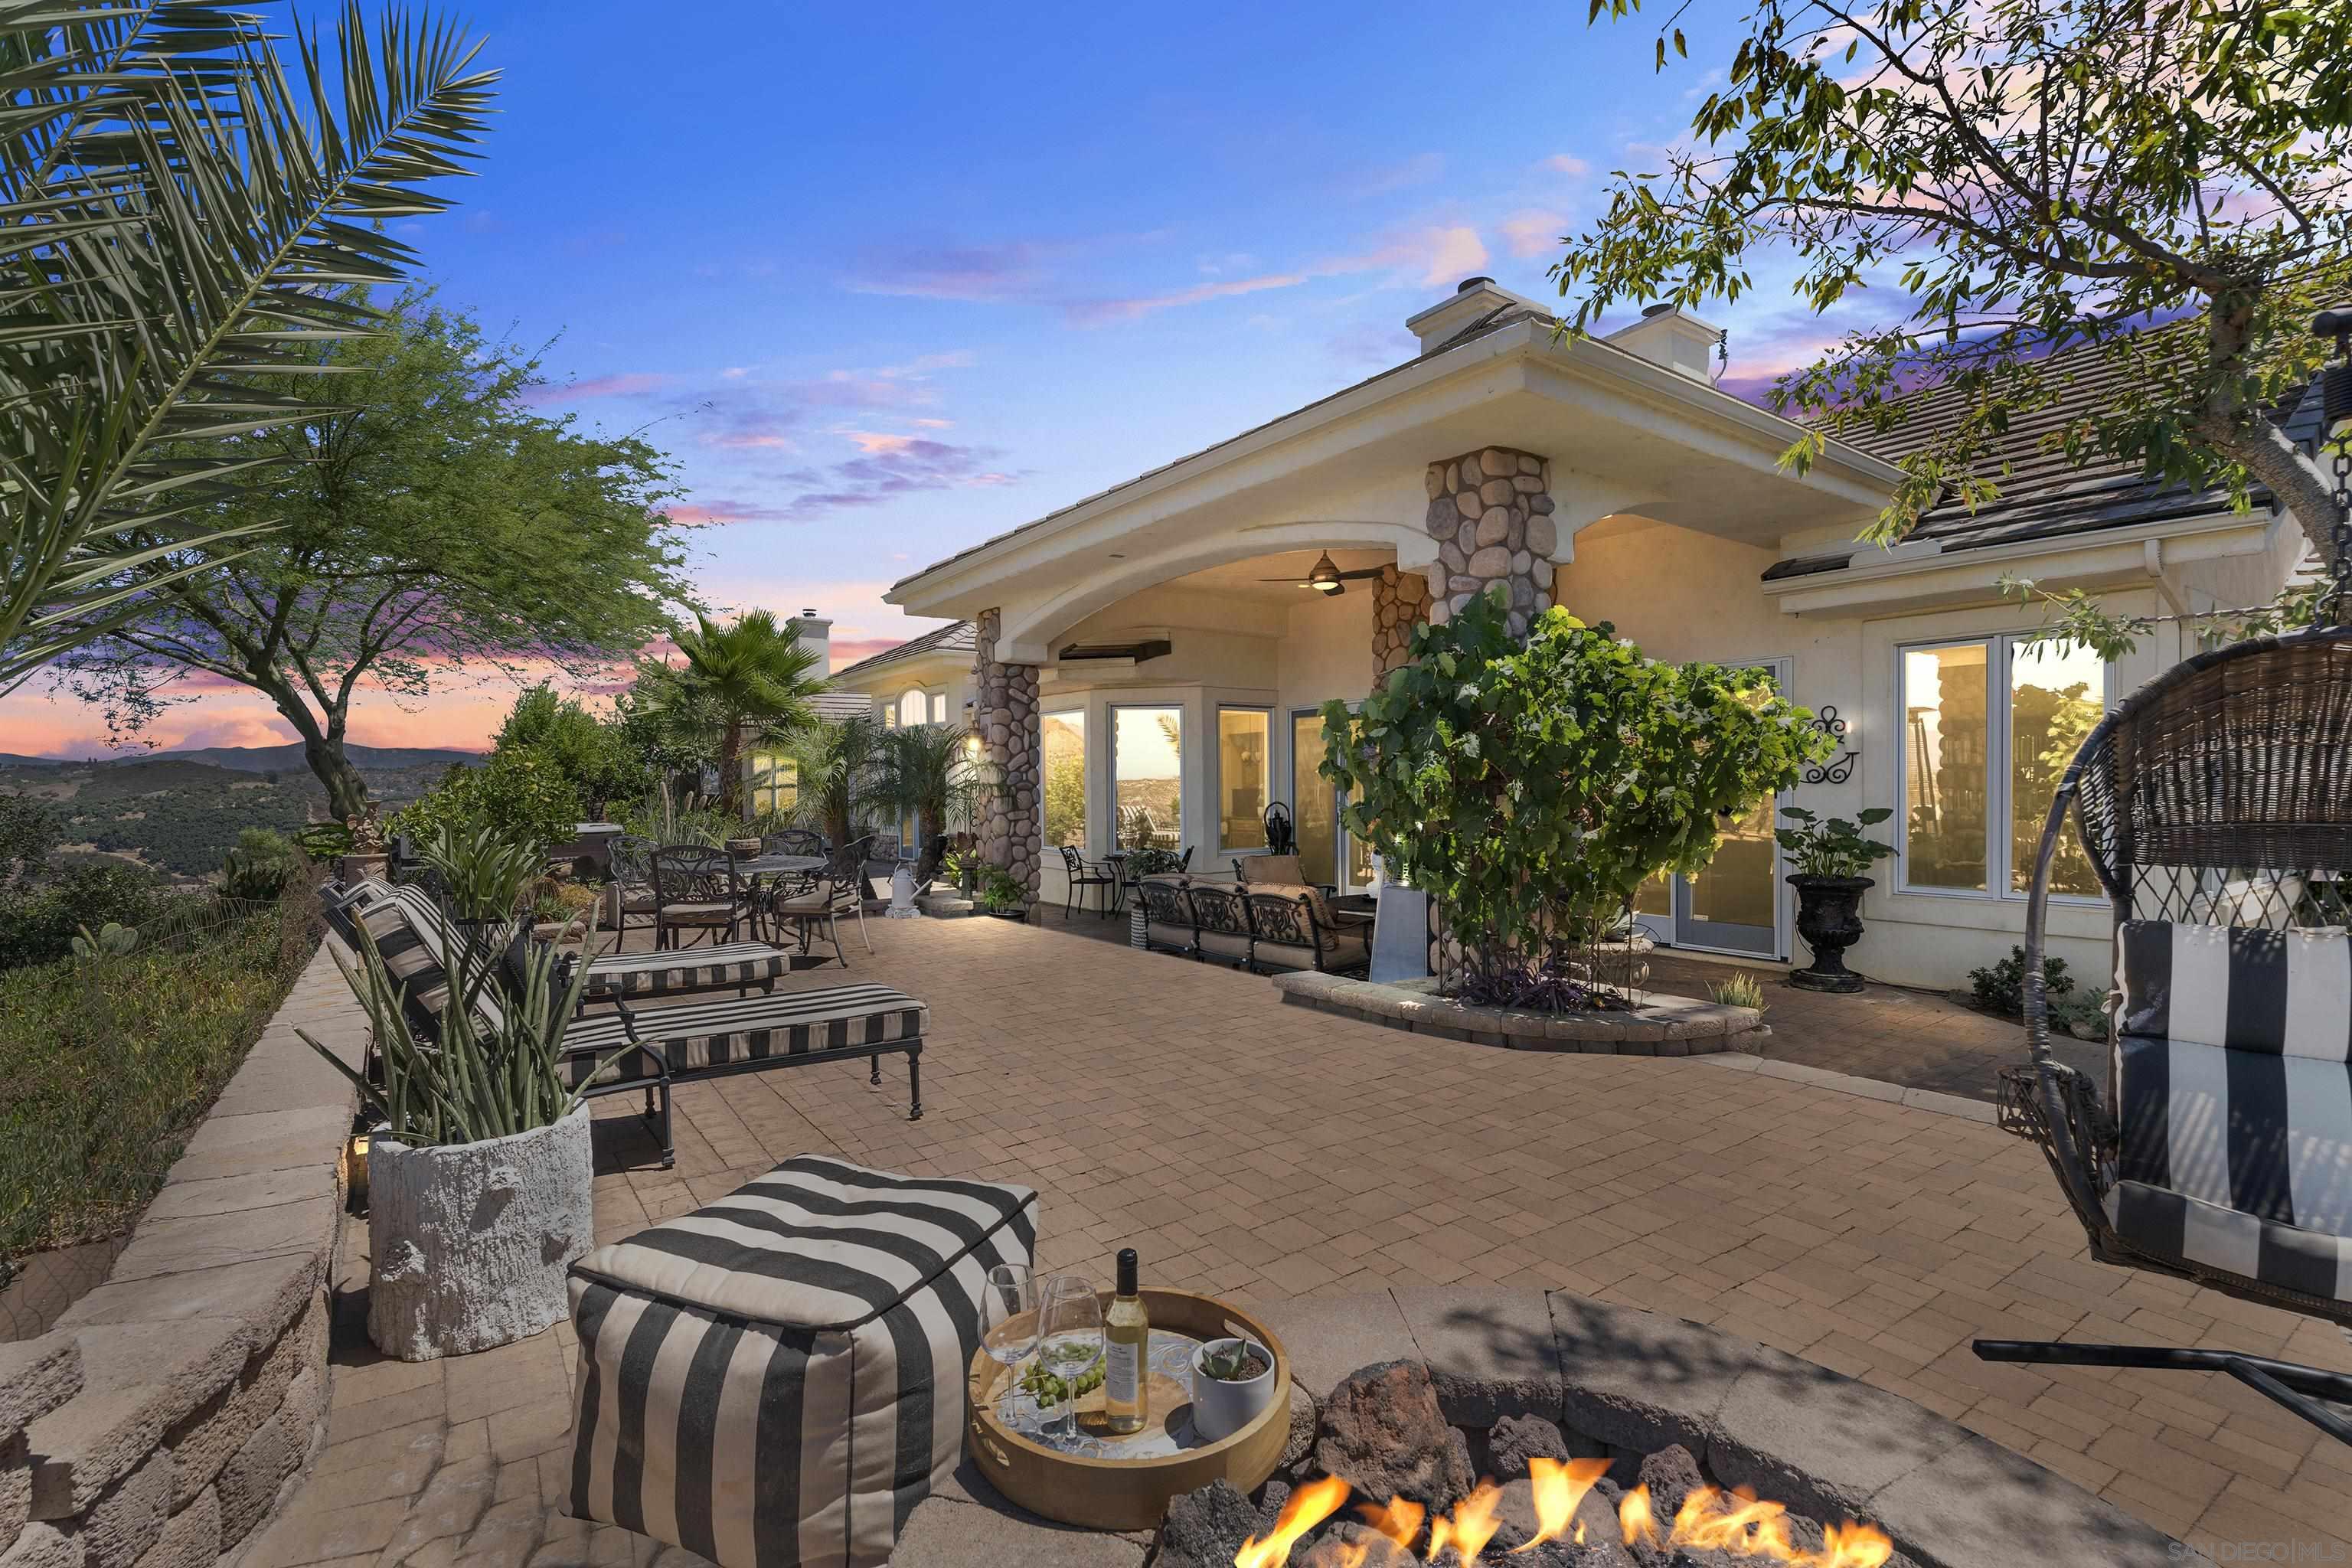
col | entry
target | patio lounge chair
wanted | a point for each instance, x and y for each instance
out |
(682, 1044)
(1276, 871)
(2215, 806)
(1167, 916)
(1221, 924)
(1292, 927)
(628, 977)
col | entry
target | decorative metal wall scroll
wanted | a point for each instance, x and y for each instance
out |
(1839, 768)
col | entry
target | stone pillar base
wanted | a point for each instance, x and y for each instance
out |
(1491, 513)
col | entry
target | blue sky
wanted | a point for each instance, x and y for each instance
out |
(887, 281)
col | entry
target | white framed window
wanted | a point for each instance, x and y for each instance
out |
(914, 709)
(1062, 747)
(1988, 725)
(1244, 775)
(938, 706)
(1147, 792)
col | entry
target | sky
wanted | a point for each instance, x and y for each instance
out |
(886, 282)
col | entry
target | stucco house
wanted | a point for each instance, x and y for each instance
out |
(1149, 661)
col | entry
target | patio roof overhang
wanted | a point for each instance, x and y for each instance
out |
(1623, 436)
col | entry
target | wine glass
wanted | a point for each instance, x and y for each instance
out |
(1009, 1324)
(1070, 1339)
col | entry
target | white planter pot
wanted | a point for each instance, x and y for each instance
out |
(471, 1243)
(1220, 1409)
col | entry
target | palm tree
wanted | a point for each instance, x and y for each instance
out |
(837, 769)
(179, 216)
(750, 677)
(927, 771)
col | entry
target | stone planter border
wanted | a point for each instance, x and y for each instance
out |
(1666, 1026)
(172, 1410)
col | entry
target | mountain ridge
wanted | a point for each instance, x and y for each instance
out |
(260, 759)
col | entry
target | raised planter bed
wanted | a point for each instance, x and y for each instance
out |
(1661, 1027)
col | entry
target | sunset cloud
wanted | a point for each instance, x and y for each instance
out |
(624, 383)
(1533, 233)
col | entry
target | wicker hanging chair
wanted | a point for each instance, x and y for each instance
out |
(2215, 804)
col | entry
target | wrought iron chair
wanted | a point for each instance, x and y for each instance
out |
(2215, 804)
(823, 900)
(1295, 931)
(632, 882)
(695, 889)
(1221, 924)
(1081, 874)
(795, 841)
(1279, 838)
(1167, 916)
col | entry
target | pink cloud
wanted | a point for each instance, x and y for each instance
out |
(1532, 233)
(1098, 312)
(621, 383)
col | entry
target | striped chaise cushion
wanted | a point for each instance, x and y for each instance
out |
(779, 1378)
(707, 1033)
(629, 975)
(2233, 1091)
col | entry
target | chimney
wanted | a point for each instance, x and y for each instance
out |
(1473, 299)
(816, 633)
(1666, 336)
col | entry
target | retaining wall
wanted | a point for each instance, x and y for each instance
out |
(159, 1424)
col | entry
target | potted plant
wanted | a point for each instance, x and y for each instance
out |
(1831, 855)
(1002, 894)
(1233, 1380)
(479, 1181)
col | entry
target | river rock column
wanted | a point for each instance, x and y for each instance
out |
(1491, 513)
(1005, 712)
(1400, 603)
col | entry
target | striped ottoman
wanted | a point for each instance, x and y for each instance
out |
(778, 1378)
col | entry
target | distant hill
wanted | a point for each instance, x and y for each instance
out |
(274, 759)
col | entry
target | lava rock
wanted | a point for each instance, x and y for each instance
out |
(1672, 1475)
(1301, 1441)
(1382, 1432)
(1337, 1546)
(1206, 1529)
(1515, 1439)
(1271, 1498)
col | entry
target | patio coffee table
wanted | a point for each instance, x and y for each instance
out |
(1104, 1481)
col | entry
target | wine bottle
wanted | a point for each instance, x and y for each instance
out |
(1127, 1354)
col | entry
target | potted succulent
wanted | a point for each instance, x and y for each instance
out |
(479, 1191)
(1233, 1380)
(1830, 855)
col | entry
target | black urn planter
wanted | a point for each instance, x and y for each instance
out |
(1829, 919)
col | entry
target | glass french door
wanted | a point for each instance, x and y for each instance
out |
(1328, 852)
(1734, 905)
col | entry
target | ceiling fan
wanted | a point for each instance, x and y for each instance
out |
(1327, 578)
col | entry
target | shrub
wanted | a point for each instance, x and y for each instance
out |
(596, 759)
(2001, 988)
(1531, 787)
(262, 867)
(1741, 990)
(107, 1063)
(517, 792)
(38, 926)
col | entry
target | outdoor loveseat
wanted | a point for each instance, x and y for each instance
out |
(660, 1047)
(1257, 926)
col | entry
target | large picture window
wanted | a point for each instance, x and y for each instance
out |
(1244, 736)
(1147, 755)
(1063, 738)
(1988, 727)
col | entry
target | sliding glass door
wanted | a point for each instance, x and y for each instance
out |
(1328, 852)
(1734, 905)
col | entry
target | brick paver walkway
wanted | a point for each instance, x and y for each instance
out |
(1269, 1151)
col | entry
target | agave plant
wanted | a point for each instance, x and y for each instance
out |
(473, 1078)
(181, 214)
(483, 870)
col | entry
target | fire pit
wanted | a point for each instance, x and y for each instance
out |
(1548, 1430)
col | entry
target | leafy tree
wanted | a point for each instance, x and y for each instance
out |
(836, 764)
(520, 795)
(594, 757)
(29, 829)
(437, 526)
(179, 212)
(751, 680)
(1529, 788)
(2163, 185)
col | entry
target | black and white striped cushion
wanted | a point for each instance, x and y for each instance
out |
(2236, 1147)
(704, 1033)
(778, 1378)
(630, 975)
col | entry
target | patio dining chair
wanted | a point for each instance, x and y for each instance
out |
(822, 900)
(633, 881)
(795, 841)
(1083, 874)
(695, 889)
(2215, 807)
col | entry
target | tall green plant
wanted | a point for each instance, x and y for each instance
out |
(483, 869)
(928, 772)
(837, 763)
(750, 679)
(182, 215)
(1530, 787)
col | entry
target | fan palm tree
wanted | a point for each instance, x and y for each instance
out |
(181, 217)
(750, 679)
(927, 772)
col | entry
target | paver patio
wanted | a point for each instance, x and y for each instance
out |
(1267, 1151)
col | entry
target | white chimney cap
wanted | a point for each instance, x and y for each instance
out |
(1473, 299)
(1665, 335)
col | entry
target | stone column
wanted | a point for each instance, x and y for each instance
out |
(1490, 512)
(1400, 602)
(1005, 711)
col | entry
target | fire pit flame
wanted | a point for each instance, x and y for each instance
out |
(1736, 1521)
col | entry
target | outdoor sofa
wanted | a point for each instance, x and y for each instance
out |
(659, 1048)
(1258, 926)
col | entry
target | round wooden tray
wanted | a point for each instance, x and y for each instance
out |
(1130, 1494)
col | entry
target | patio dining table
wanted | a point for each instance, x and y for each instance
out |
(779, 864)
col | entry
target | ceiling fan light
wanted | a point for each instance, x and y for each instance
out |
(1325, 578)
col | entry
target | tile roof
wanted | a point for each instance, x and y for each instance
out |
(2042, 495)
(956, 636)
